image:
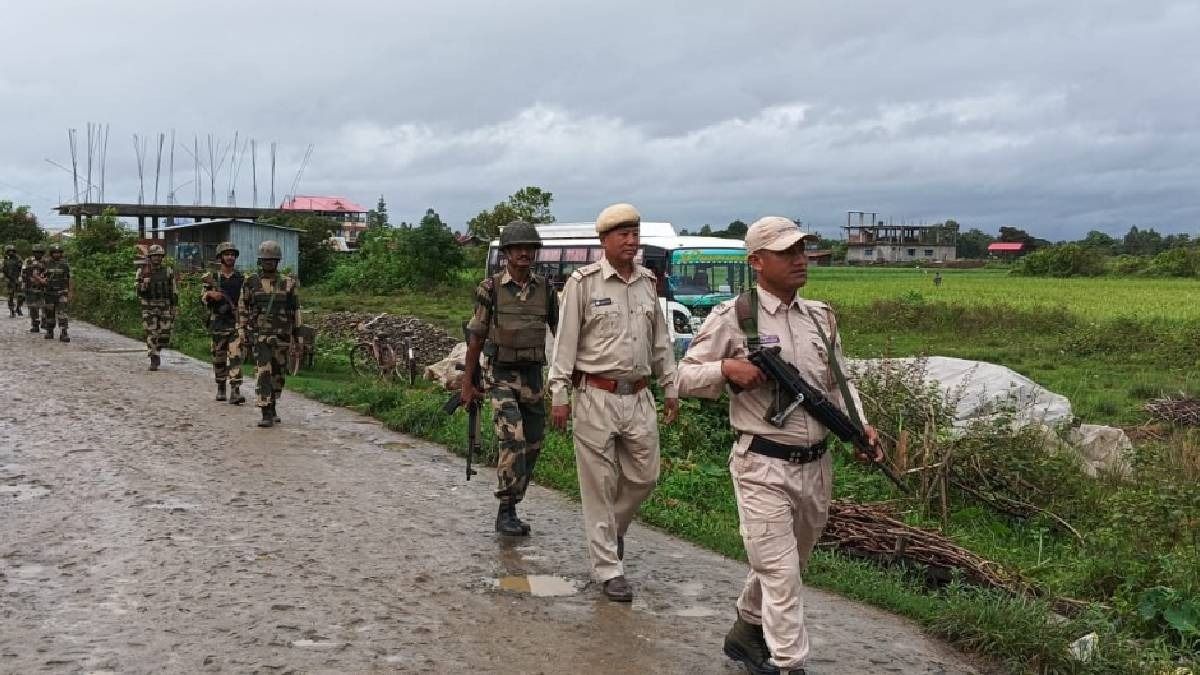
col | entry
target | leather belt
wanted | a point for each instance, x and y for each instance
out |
(621, 387)
(793, 454)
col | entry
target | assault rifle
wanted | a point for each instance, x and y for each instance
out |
(455, 402)
(793, 392)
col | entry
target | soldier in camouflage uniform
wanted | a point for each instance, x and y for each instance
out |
(513, 309)
(221, 293)
(59, 290)
(268, 315)
(33, 278)
(12, 279)
(160, 300)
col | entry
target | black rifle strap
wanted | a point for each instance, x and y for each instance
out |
(745, 308)
(836, 368)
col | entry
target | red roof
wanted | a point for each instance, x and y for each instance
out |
(1006, 246)
(309, 203)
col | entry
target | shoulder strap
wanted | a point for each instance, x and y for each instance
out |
(836, 368)
(746, 310)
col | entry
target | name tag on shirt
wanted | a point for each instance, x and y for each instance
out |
(602, 302)
(768, 339)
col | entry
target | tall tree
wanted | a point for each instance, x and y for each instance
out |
(378, 216)
(706, 231)
(737, 229)
(18, 224)
(531, 204)
(973, 244)
(1142, 242)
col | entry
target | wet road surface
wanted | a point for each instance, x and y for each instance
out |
(146, 528)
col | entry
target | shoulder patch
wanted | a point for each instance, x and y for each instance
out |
(207, 278)
(586, 270)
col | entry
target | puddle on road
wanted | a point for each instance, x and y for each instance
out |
(170, 505)
(26, 571)
(398, 445)
(694, 612)
(317, 644)
(22, 492)
(537, 585)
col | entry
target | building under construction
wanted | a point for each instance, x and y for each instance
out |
(870, 240)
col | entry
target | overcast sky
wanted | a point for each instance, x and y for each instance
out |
(1056, 116)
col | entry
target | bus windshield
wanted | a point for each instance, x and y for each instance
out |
(704, 277)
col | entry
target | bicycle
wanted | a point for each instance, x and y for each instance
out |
(372, 355)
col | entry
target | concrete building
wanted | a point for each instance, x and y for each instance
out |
(194, 245)
(867, 243)
(351, 216)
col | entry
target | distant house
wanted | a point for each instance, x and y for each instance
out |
(881, 243)
(467, 240)
(194, 245)
(351, 216)
(1009, 249)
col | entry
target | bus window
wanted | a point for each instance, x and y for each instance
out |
(708, 276)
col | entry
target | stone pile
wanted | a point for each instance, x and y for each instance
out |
(430, 342)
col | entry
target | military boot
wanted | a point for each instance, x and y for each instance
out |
(235, 395)
(49, 333)
(62, 336)
(154, 361)
(12, 313)
(507, 523)
(745, 642)
(220, 391)
(525, 529)
(19, 312)
(274, 413)
(268, 418)
(36, 328)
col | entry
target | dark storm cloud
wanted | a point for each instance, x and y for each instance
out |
(1059, 117)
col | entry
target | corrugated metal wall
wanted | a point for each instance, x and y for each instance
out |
(247, 236)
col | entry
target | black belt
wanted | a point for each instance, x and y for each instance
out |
(794, 454)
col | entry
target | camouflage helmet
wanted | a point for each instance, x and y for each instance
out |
(227, 247)
(56, 248)
(155, 249)
(519, 233)
(9, 248)
(269, 250)
(38, 248)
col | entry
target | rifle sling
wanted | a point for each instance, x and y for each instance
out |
(836, 368)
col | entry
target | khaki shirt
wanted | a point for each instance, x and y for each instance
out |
(788, 326)
(611, 328)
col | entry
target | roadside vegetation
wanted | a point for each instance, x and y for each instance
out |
(1130, 575)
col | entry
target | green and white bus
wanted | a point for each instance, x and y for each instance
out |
(694, 273)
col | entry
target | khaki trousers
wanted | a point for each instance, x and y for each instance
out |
(782, 507)
(617, 457)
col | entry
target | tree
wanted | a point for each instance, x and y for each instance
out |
(378, 216)
(390, 259)
(737, 229)
(1142, 242)
(18, 224)
(1095, 239)
(530, 204)
(706, 231)
(101, 234)
(316, 255)
(973, 244)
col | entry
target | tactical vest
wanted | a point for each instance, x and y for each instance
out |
(58, 276)
(12, 268)
(518, 330)
(159, 288)
(224, 313)
(271, 311)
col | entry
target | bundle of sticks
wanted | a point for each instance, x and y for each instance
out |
(1181, 410)
(870, 531)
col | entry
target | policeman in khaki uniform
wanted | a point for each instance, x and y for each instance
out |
(159, 294)
(513, 310)
(781, 476)
(611, 337)
(268, 315)
(221, 293)
(58, 292)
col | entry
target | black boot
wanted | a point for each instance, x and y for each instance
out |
(49, 333)
(525, 529)
(274, 413)
(154, 361)
(745, 642)
(62, 335)
(235, 395)
(268, 417)
(220, 391)
(19, 312)
(507, 523)
(37, 328)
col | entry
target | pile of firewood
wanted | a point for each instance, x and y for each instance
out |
(1181, 411)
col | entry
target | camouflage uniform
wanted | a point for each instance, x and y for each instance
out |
(160, 298)
(268, 314)
(58, 286)
(33, 270)
(222, 328)
(514, 318)
(12, 279)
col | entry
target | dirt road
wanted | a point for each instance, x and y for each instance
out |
(144, 527)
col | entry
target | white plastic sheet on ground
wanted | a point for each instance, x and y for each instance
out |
(985, 390)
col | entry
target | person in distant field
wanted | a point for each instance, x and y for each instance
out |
(514, 309)
(611, 338)
(782, 476)
(937, 279)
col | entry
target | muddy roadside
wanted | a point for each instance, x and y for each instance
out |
(144, 527)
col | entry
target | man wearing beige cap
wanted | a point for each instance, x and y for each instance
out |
(611, 337)
(782, 476)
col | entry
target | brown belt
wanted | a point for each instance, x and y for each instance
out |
(623, 387)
